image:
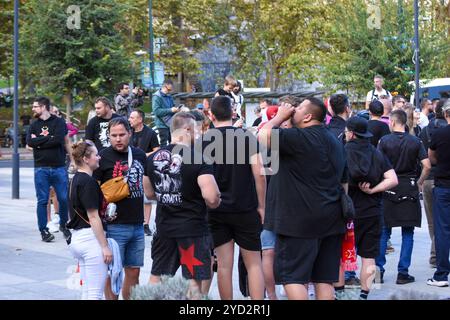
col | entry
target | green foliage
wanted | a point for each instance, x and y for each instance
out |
(357, 53)
(6, 37)
(90, 59)
(170, 288)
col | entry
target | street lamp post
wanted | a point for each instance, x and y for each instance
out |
(15, 157)
(150, 49)
(417, 51)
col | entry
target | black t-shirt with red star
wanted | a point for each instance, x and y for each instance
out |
(181, 210)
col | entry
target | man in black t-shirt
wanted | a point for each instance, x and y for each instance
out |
(304, 198)
(127, 228)
(238, 170)
(402, 204)
(439, 153)
(376, 127)
(145, 139)
(97, 128)
(370, 174)
(341, 109)
(184, 186)
(228, 86)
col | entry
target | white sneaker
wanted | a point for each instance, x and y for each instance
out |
(55, 219)
(52, 227)
(435, 283)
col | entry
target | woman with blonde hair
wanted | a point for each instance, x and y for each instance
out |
(88, 243)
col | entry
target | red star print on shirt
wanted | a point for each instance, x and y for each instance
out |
(188, 259)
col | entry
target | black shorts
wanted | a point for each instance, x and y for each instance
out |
(367, 236)
(193, 254)
(303, 260)
(244, 228)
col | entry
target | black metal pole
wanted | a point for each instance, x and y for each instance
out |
(150, 26)
(15, 157)
(417, 51)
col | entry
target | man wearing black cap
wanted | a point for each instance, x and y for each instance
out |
(401, 204)
(370, 173)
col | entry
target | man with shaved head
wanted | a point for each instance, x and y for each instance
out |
(304, 198)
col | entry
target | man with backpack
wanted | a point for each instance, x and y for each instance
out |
(378, 92)
(163, 110)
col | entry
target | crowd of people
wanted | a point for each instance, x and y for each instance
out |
(282, 191)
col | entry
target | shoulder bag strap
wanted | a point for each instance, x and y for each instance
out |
(70, 196)
(130, 162)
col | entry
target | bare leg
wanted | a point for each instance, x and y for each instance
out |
(206, 284)
(367, 273)
(225, 257)
(341, 281)
(253, 264)
(147, 212)
(296, 291)
(154, 279)
(324, 291)
(131, 279)
(268, 257)
(109, 295)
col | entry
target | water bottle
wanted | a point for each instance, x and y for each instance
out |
(111, 213)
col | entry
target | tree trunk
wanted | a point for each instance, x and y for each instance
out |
(68, 101)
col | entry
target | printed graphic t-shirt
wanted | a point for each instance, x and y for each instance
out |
(181, 210)
(113, 164)
(97, 131)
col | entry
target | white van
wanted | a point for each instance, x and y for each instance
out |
(434, 89)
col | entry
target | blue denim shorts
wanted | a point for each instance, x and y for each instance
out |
(131, 241)
(267, 240)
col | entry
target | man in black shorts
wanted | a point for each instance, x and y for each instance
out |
(370, 174)
(304, 198)
(239, 173)
(183, 188)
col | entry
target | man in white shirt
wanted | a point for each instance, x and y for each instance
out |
(378, 92)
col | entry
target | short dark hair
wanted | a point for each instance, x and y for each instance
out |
(399, 116)
(181, 119)
(376, 108)
(221, 108)
(199, 116)
(119, 121)
(268, 101)
(167, 81)
(338, 102)
(121, 85)
(317, 108)
(398, 97)
(105, 101)
(140, 113)
(43, 101)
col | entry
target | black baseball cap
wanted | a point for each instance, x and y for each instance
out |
(358, 125)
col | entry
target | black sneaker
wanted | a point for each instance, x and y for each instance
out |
(405, 278)
(67, 234)
(47, 236)
(147, 230)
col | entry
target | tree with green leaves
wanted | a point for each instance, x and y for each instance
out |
(61, 56)
(6, 37)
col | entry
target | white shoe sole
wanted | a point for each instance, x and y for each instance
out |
(440, 284)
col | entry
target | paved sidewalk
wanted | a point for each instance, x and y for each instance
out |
(32, 269)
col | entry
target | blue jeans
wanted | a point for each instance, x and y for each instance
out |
(44, 178)
(441, 221)
(405, 252)
(131, 241)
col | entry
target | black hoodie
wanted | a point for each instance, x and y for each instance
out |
(365, 164)
(48, 146)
